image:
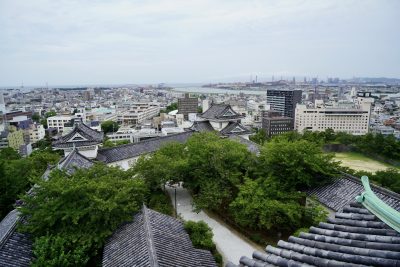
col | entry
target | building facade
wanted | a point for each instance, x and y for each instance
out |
(284, 101)
(350, 119)
(273, 123)
(58, 122)
(187, 105)
(138, 114)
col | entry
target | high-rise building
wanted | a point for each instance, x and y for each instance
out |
(284, 101)
(187, 105)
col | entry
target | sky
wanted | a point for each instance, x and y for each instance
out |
(75, 42)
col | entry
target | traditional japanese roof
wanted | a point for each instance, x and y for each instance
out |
(153, 239)
(342, 191)
(220, 112)
(235, 128)
(202, 126)
(15, 247)
(251, 146)
(123, 152)
(81, 135)
(355, 237)
(73, 161)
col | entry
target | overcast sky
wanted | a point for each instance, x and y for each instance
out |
(112, 42)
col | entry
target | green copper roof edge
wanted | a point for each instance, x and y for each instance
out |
(377, 207)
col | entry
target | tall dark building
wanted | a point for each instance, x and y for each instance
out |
(187, 105)
(284, 101)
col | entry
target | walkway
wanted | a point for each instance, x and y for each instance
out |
(229, 244)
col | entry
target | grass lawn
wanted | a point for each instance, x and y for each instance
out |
(360, 162)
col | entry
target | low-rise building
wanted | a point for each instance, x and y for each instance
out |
(273, 123)
(58, 122)
(15, 137)
(36, 133)
(138, 114)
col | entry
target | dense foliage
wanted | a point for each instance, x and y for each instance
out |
(109, 127)
(72, 215)
(109, 143)
(17, 174)
(169, 108)
(296, 165)
(257, 192)
(387, 147)
(201, 236)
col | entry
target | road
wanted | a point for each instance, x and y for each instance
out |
(229, 243)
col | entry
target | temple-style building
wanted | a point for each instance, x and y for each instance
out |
(83, 138)
(223, 119)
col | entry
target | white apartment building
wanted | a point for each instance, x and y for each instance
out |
(138, 113)
(58, 122)
(352, 119)
(36, 133)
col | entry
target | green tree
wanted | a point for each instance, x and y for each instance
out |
(36, 117)
(9, 153)
(109, 126)
(217, 167)
(50, 114)
(260, 137)
(201, 236)
(296, 165)
(44, 123)
(83, 208)
(17, 175)
(168, 164)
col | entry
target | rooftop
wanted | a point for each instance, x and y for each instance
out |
(153, 239)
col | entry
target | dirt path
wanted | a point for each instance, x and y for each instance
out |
(229, 243)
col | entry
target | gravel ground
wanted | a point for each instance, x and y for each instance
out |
(229, 244)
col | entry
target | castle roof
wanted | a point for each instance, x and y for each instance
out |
(153, 239)
(81, 135)
(220, 112)
(73, 161)
(123, 152)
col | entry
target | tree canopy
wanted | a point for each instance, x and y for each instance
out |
(17, 174)
(74, 214)
(109, 126)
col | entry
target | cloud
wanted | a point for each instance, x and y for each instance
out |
(162, 41)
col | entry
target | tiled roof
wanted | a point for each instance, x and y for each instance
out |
(202, 126)
(354, 237)
(153, 239)
(342, 191)
(251, 146)
(92, 137)
(118, 153)
(220, 112)
(73, 161)
(235, 128)
(15, 247)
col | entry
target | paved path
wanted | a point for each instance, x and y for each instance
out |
(228, 243)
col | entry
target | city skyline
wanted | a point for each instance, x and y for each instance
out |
(123, 42)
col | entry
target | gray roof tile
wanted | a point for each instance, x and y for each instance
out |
(340, 242)
(153, 239)
(118, 153)
(220, 112)
(15, 247)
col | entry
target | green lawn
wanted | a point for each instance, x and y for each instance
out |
(360, 162)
